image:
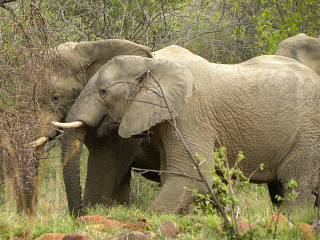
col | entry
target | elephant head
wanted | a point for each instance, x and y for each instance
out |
(60, 76)
(53, 80)
(123, 97)
(302, 48)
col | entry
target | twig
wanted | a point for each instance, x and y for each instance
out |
(10, 10)
(142, 171)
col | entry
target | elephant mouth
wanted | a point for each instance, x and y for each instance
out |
(106, 127)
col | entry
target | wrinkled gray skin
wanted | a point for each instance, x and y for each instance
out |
(267, 107)
(65, 73)
(302, 48)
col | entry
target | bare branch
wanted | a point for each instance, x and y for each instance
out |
(142, 171)
(10, 10)
(6, 1)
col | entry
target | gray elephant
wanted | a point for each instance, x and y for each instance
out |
(267, 107)
(105, 174)
(302, 48)
(63, 73)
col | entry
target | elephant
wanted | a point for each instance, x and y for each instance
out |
(103, 173)
(267, 107)
(302, 48)
(63, 72)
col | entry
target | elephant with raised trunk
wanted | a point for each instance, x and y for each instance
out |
(302, 48)
(48, 96)
(267, 107)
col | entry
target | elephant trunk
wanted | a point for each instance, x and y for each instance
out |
(71, 150)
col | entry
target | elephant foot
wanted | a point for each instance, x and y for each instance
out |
(176, 196)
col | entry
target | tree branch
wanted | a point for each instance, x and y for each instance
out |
(10, 10)
(141, 170)
(6, 1)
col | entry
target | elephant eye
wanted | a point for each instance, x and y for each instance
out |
(102, 92)
(56, 98)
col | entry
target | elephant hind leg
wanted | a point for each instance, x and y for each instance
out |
(301, 165)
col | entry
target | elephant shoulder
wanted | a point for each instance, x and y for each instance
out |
(176, 52)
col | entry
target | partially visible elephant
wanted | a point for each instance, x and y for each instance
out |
(303, 48)
(267, 107)
(49, 90)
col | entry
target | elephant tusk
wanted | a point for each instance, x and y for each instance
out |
(39, 141)
(75, 124)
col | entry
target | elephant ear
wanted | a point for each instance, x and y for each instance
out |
(163, 87)
(88, 57)
(95, 54)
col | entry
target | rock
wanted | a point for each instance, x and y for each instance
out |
(96, 219)
(76, 236)
(130, 236)
(307, 231)
(111, 224)
(51, 236)
(150, 234)
(278, 218)
(169, 229)
(141, 224)
(95, 227)
(108, 224)
(243, 226)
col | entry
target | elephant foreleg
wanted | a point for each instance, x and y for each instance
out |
(122, 193)
(108, 173)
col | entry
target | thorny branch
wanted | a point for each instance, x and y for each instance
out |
(141, 170)
(10, 10)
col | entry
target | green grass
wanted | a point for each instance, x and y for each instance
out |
(52, 216)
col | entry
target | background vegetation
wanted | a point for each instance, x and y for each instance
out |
(222, 31)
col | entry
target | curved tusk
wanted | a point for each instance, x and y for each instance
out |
(39, 141)
(74, 124)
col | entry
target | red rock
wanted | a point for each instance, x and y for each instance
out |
(51, 236)
(111, 224)
(169, 229)
(141, 224)
(307, 231)
(243, 226)
(76, 236)
(278, 217)
(96, 219)
(108, 224)
(130, 236)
